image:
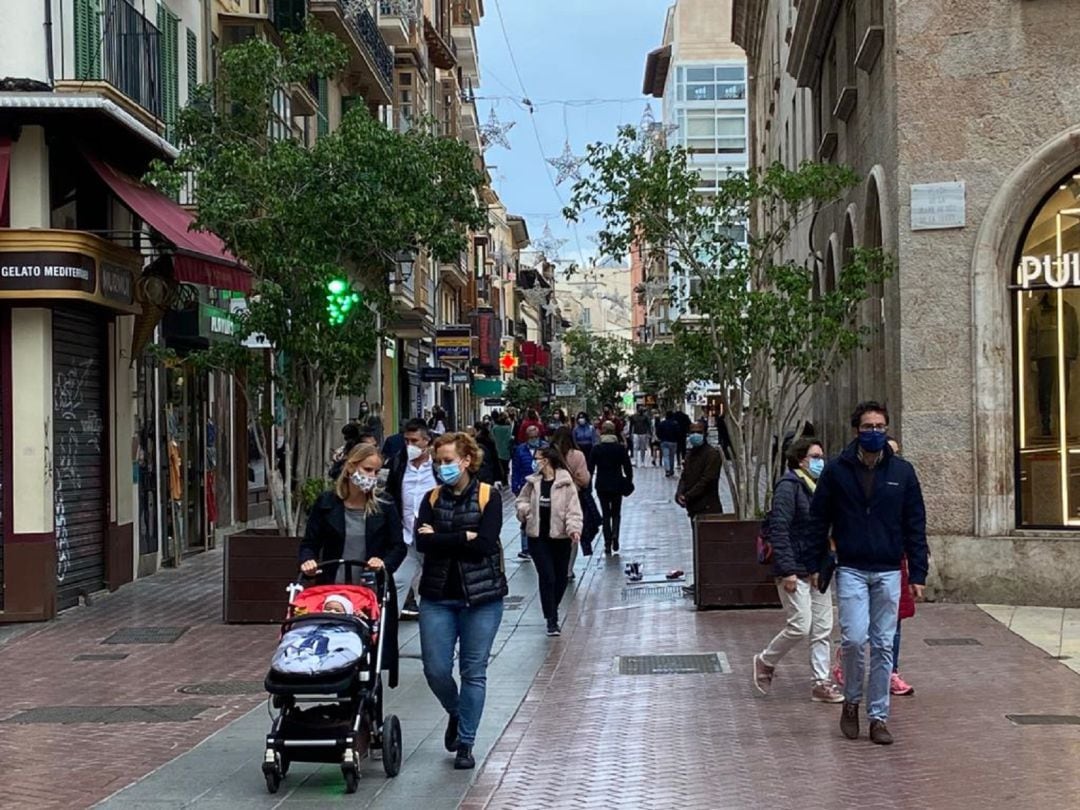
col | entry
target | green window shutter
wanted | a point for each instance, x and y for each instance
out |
(168, 25)
(192, 61)
(87, 39)
(348, 102)
(324, 107)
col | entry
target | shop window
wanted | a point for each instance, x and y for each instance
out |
(1046, 289)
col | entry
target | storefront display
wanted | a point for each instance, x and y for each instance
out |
(1047, 299)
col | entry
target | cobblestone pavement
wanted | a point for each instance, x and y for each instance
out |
(587, 737)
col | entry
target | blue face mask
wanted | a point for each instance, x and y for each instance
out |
(817, 466)
(534, 442)
(696, 439)
(871, 441)
(536, 466)
(449, 474)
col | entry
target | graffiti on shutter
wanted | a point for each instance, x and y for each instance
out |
(79, 463)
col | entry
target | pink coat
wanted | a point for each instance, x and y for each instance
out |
(566, 515)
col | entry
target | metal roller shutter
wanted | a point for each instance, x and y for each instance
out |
(79, 403)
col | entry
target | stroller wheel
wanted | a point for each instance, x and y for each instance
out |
(391, 745)
(273, 779)
(352, 778)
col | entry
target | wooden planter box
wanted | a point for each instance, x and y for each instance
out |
(726, 571)
(259, 565)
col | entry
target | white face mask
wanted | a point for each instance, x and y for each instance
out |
(413, 452)
(364, 483)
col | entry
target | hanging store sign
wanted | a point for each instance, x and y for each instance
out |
(460, 378)
(434, 375)
(453, 343)
(48, 264)
(565, 390)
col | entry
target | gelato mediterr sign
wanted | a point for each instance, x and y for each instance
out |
(1053, 271)
(48, 271)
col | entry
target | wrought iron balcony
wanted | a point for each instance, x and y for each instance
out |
(132, 50)
(368, 31)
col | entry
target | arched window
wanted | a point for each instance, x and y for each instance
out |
(1046, 286)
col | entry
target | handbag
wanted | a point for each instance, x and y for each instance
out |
(626, 487)
(591, 522)
(826, 570)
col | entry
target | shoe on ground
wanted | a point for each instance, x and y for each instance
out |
(464, 760)
(524, 555)
(879, 733)
(615, 545)
(898, 686)
(450, 738)
(553, 629)
(763, 676)
(826, 693)
(849, 720)
(410, 611)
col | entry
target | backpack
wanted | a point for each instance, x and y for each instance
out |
(485, 495)
(761, 544)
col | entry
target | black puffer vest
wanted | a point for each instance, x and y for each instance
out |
(482, 577)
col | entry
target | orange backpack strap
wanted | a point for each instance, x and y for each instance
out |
(433, 496)
(485, 495)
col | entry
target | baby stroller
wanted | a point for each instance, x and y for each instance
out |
(325, 681)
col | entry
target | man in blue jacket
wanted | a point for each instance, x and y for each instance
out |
(869, 501)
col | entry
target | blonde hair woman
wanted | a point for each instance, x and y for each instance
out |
(352, 521)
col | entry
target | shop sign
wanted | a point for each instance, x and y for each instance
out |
(429, 374)
(565, 390)
(1055, 271)
(453, 343)
(48, 270)
(487, 388)
(938, 206)
(460, 378)
(494, 402)
(117, 283)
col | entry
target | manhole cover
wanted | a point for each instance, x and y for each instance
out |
(639, 592)
(146, 635)
(953, 642)
(224, 688)
(687, 664)
(513, 602)
(1043, 719)
(108, 714)
(100, 657)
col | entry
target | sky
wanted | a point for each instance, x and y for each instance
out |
(590, 53)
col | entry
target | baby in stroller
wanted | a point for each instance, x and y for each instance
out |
(317, 648)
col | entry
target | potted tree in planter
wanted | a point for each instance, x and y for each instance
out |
(319, 227)
(754, 321)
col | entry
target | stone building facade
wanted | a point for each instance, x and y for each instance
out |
(961, 119)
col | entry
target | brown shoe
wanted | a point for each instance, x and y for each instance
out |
(849, 720)
(879, 733)
(763, 676)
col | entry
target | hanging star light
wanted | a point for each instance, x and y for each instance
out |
(648, 120)
(493, 132)
(548, 244)
(568, 164)
(535, 297)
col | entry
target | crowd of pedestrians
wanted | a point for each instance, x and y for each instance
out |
(428, 508)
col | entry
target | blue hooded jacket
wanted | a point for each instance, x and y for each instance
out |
(874, 534)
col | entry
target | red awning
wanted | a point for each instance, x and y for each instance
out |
(201, 257)
(5, 163)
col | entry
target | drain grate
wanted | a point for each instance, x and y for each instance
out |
(100, 657)
(953, 642)
(146, 635)
(64, 715)
(513, 602)
(682, 664)
(1043, 719)
(224, 688)
(638, 592)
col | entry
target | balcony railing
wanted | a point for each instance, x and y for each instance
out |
(368, 31)
(132, 50)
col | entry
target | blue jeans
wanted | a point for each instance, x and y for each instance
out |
(442, 626)
(669, 450)
(896, 649)
(868, 604)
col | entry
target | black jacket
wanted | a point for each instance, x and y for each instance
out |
(489, 467)
(480, 570)
(791, 529)
(395, 466)
(324, 539)
(668, 431)
(874, 534)
(611, 460)
(700, 480)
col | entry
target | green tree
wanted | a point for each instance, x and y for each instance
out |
(304, 217)
(667, 370)
(764, 336)
(523, 394)
(598, 365)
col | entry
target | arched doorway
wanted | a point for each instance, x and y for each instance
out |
(874, 311)
(1046, 343)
